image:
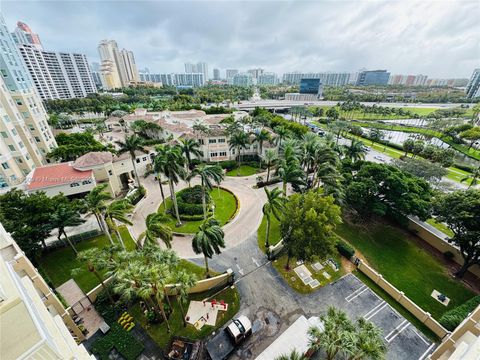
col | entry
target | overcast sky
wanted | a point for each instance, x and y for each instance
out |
(440, 39)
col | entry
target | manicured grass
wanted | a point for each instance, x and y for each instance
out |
(245, 170)
(274, 236)
(294, 281)
(159, 333)
(394, 254)
(225, 208)
(59, 263)
(441, 226)
(394, 304)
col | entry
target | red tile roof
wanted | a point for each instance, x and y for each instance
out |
(56, 175)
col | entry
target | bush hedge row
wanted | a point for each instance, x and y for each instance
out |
(452, 318)
(345, 249)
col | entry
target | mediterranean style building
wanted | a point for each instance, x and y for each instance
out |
(33, 322)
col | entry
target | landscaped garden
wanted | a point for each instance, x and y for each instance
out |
(59, 263)
(394, 254)
(191, 208)
(244, 170)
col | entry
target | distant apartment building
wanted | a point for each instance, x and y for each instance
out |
(35, 324)
(200, 67)
(242, 79)
(311, 86)
(118, 68)
(408, 80)
(267, 78)
(97, 77)
(255, 73)
(447, 82)
(373, 77)
(229, 74)
(58, 75)
(191, 79)
(24, 35)
(473, 87)
(327, 78)
(25, 137)
(150, 77)
(216, 74)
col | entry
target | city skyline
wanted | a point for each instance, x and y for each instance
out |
(341, 37)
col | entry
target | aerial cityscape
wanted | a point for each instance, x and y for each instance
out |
(210, 180)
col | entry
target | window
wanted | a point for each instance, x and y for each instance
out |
(213, 154)
(37, 139)
(110, 173)
(223, 153)
(86, 182)
(74, 185)
(4, 134)
(11, 147)
(13, 177)
(138, 161)
(6, 118)
(5, 166)
(201, 142)
(212, 141)
(20, 161)
(14, 132)
(144, 158)
(4, 72)
(221, 140)
(19, 102)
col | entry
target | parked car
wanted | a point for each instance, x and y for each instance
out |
(222, 344)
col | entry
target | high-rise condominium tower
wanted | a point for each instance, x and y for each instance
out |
(25, 137)
(198, 68)
(118, 67)
(23, 35)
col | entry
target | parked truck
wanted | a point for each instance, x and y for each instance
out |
(223, 343)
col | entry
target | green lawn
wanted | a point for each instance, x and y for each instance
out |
(407, 266)
(159, 333)
(441, 226)
(274, 236)
(245, 170)
(58, 264)
(225, 208)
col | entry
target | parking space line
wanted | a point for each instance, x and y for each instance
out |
(375, 310)
(397, 331)
(420, 336)
(424, 355)
(356, 293)
(255, 262)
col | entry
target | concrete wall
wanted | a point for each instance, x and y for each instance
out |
(274, 250)
(400, 297)
(434, 238)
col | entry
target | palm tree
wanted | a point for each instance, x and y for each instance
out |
(132, 144)
(96, 261)
(173, 169)
(184, 281)
(118, 211)
(66, 214)
(475, 175)
(332, 338)
(190, 147)
(208, 240)
(294, 355)
(260, 137)
(156, 228)
(356, 151)
(289, 169)
(238, 141)
(274, 206)
(282, 133)
(366, 343)
(270, 157)
(207, 174)
(95, 204)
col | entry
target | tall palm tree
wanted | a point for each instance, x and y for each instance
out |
(118, 211)
(95, 203)
(184, 281)
(96, 261)
(274, 206)
(208, 240)
(282, 133)
(238, 141)
(475, 175)
(260, 137)
(173, 170)
(269, 158)
(132, 144)
(294, 355)
(289, 169)
(356, 151)
(66, 214)
(156, 228)
(366, 342)
(158, 166)
(207, 174)
(190, 147)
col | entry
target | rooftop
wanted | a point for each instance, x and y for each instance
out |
(56, 175)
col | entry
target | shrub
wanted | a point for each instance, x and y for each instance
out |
(464, 167)
(228, 164)
(452, 318)
(189, 201)
(271, 181)
(345, 249)
(118, 338)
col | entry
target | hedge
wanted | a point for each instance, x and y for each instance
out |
(118, 338)
(452, 318)
(271, 181)
(189, 201)
(345, 249)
